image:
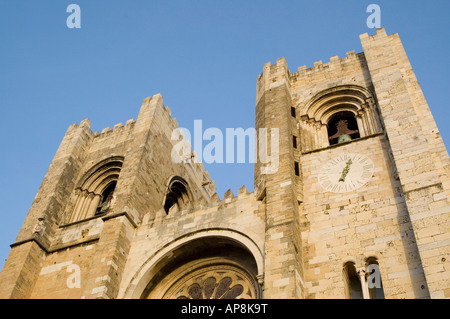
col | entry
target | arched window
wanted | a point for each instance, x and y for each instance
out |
(374, 284)
(352, 282)
(364, 282)
(178, 195)
(106, 199)
(337, 115)
(94, 194)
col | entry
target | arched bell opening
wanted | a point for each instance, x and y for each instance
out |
(342, 127)
(338, 114)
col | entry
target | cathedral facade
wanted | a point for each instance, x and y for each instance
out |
(357, 208)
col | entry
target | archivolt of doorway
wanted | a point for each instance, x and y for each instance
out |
(208, 264)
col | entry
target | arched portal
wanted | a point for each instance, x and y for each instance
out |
(211, 264)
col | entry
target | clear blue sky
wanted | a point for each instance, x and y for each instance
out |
(202, 56)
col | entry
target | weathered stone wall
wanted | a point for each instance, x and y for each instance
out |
(419, 153)
(237, 218)
(372, 221)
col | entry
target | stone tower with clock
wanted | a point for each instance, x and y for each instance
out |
(362, 180)
(358, 207)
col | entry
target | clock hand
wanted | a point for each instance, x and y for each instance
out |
(345, 171)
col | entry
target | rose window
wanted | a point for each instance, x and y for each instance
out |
(214, 282)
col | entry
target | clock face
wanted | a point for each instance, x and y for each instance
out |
(345, 173)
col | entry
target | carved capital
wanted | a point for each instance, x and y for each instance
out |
(260, 279)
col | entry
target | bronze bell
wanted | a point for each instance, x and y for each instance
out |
(344, 138)
(343, 132)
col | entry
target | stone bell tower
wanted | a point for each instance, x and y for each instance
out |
(75, 240)
(363, 178)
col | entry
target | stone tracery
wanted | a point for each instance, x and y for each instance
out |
(213, 282)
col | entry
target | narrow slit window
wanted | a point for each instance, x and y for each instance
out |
(292, 111)
(294, 141)
(297, 169)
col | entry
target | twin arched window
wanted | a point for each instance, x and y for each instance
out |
(94, 194)
(364, 282)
